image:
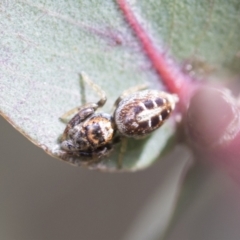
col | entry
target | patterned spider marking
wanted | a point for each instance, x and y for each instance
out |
(142, 112)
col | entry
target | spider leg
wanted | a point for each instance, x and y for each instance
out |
(82, 114)
(123, 149)
(130, 91)
(96, 88)
(65, 117)
(95, 106)
(94, 156)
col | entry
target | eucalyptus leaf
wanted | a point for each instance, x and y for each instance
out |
(46, 44)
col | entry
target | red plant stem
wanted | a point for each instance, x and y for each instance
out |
(227, 154)
(175, 81)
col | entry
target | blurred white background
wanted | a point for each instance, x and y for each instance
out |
(45, 199)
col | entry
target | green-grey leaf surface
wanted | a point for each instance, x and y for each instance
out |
(46, 44)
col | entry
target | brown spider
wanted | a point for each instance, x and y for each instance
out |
(90, 135)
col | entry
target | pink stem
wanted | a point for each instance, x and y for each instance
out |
(175, 81)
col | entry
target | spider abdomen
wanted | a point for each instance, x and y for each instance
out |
(143, 112)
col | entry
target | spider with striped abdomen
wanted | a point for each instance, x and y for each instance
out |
(91, 135)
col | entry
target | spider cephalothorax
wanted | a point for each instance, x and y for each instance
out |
(91, 136)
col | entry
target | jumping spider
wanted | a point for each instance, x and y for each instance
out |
(90, 135)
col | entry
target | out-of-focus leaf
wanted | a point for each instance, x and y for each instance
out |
(45, 45)
(203, 204)
(152, 221)
(207, 208)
